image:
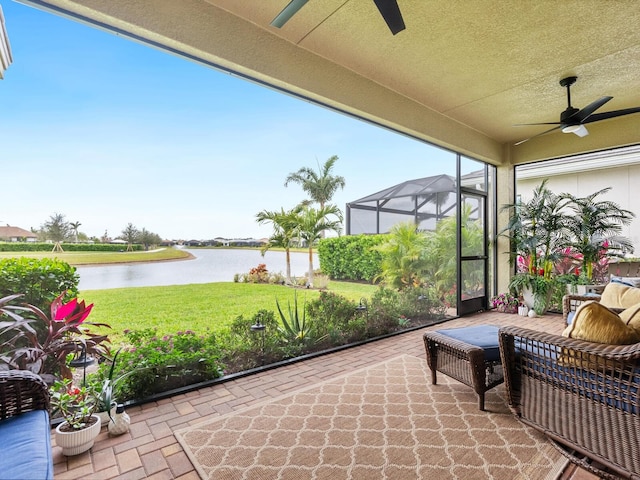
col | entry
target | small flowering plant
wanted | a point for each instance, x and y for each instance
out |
(75, 404)
(505, 302)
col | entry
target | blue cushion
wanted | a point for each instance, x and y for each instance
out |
(26, 446)
(629, 281)
(483, 336)
(570, 316)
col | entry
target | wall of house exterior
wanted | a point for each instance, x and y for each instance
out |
(586, 174)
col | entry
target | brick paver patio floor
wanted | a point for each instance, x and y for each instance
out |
(150, 450)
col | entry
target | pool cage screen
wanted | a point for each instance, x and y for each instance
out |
(424, 201)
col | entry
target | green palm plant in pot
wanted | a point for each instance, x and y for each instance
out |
(596, 230)
(538, 233)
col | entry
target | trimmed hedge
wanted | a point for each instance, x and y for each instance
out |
(351, 257)
(67, 247)
(40, 280)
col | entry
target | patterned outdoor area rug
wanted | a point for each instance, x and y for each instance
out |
(382, 422)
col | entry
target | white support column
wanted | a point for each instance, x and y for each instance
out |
(505, 184)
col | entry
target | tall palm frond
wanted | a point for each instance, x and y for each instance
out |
(311, 225)
(321, 185)
(285, 231)
(596, 227)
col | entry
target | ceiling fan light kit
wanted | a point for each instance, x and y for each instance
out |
(579, 130)
(572, 120)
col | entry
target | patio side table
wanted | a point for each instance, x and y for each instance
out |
(470, 355)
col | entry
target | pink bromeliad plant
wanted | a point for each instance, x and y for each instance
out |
(47, 348)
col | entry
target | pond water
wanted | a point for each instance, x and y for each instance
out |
(209, 265)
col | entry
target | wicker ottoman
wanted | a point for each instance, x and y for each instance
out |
(471, 355)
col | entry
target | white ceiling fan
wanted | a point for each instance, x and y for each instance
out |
(573, 120)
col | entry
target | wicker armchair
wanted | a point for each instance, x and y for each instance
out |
(583, 395)
(25, 431)
(570, 304)
(21, 391)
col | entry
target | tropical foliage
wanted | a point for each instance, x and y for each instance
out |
(404, 257)
(312, 225)
(285, 232)
(295, 327)
(538, 230)
(596, 230)
(320, 185)
(557, 239)
(66, 334)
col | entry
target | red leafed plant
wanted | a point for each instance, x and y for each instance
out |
(65, 334)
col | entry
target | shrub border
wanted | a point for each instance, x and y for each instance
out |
(272, 366)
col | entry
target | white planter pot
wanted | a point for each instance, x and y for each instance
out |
(529, 299)
(79, 441)
(104, 416)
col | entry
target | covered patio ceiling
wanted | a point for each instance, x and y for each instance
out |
(460, 75)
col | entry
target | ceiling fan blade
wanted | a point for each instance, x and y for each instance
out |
(287, 12)
(547, 131)
(390, 11)
(583, 114)
(596, 117)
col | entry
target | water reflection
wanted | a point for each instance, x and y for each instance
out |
(219, 265)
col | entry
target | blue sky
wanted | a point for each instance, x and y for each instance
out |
(107, 132)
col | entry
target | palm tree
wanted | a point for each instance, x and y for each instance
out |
(285, 231)
(321, 185)
(313, 223)
(596, 227)
(75, 226)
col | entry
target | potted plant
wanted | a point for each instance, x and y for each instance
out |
(538, 233)
(76, 405)
(107, 404)
(596, 228)
(505, 303)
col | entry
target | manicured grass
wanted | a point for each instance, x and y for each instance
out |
(94, 258)
(198, 307)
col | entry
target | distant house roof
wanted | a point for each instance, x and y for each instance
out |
(9, 232)
(5, 48)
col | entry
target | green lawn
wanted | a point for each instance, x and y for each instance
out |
(94, 258)
(198, 307)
